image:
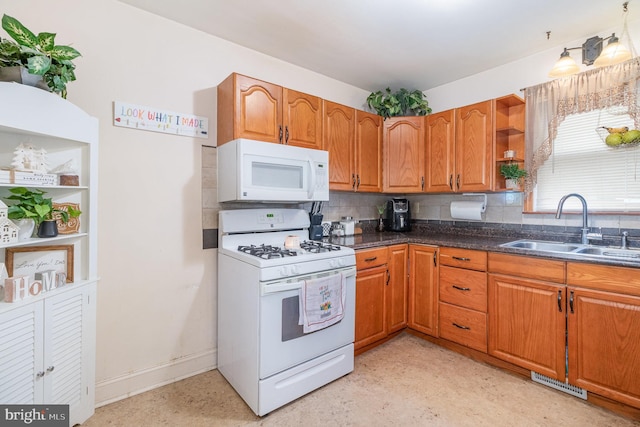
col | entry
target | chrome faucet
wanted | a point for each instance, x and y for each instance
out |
(625, 240)
(585, 227)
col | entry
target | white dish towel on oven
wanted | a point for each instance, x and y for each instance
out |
(322, 302)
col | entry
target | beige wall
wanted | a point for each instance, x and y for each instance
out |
(156, 308)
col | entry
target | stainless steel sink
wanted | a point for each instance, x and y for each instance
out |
(575, 249)
(540, 245)
(609, 252)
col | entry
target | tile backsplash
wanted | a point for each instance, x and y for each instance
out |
(505, 208)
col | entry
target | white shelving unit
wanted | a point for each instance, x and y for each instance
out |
(47, 342)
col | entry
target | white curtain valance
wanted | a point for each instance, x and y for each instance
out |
(548, 104)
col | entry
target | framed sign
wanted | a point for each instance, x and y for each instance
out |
(27, 261)
(71, 226)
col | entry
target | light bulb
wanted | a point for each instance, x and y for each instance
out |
(565, 66)
(614, 53)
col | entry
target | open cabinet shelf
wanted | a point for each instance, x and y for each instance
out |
(47, 342)
(509, 134)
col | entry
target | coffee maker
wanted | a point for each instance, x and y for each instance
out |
(398, 215)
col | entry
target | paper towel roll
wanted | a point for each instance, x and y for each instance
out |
(467, 210)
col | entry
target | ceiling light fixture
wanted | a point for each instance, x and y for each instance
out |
(594, 53)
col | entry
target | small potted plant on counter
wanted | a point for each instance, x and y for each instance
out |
(513, 175)
(32, 205)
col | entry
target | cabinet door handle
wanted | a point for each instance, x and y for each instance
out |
(459, 258)
(451, 182)
(435, 263)
(460, 288)
(40, 374)
(358, 185)
(50, 369)
(280, 134)
(353, 177)
(388, 277)
(571, 301)
(458, 182)
(461, 327)
(422, 183)
(286, 134)
(373, 258)
(560, 301)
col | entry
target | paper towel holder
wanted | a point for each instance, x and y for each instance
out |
(484, 203)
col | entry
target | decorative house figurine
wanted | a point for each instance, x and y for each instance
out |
(8, 230)
(28, 158)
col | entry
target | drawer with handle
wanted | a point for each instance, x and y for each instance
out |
(464, 258)
(464, 326)
(369, 258)
(464, 288)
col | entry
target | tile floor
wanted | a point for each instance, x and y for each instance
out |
(405, 382)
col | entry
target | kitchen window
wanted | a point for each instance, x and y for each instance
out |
(565, 150)
(581, 162)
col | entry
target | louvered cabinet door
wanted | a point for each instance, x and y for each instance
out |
(21, 355)
(68, 350)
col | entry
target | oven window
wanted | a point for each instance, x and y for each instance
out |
(276, 175)
(290, 316)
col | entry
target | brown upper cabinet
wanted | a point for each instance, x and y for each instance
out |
(368, 152)
(258, 110)
(353, 139)
(441, 154)
(446, 152)
(462, 143)
(403, 154)
(474, 145)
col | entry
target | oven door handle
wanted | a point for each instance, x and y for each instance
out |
(281, 287)
(272, 288)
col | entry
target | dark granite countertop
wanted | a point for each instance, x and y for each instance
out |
(487, 240)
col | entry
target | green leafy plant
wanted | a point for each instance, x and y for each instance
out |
(32, 204)
(39, 54)
(512, 171)
(399, 103)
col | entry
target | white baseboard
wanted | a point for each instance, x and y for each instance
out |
(121, 387)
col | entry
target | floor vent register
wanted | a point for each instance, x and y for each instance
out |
(559, 385)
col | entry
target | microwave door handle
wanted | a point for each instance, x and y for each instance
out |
(312, 180)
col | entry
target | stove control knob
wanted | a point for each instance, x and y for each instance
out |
(332, 263)
(284, 271)
(295, 269)
(341, 262)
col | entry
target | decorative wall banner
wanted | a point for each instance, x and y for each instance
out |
(156, 120)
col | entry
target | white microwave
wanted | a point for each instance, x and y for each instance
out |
(255, 171)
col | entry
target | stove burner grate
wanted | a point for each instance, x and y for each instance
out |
(314, 246)
(266, 251)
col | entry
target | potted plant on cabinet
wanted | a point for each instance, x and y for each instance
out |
(32, 205)
(513, 175)
(400, 103)
(38, 55)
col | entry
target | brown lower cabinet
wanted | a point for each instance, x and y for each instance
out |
(423, 289)
(603, 330)
(463, 297)
(381, 294)
(571, 321)
(397, 301)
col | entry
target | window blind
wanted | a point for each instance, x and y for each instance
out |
(608, 178)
